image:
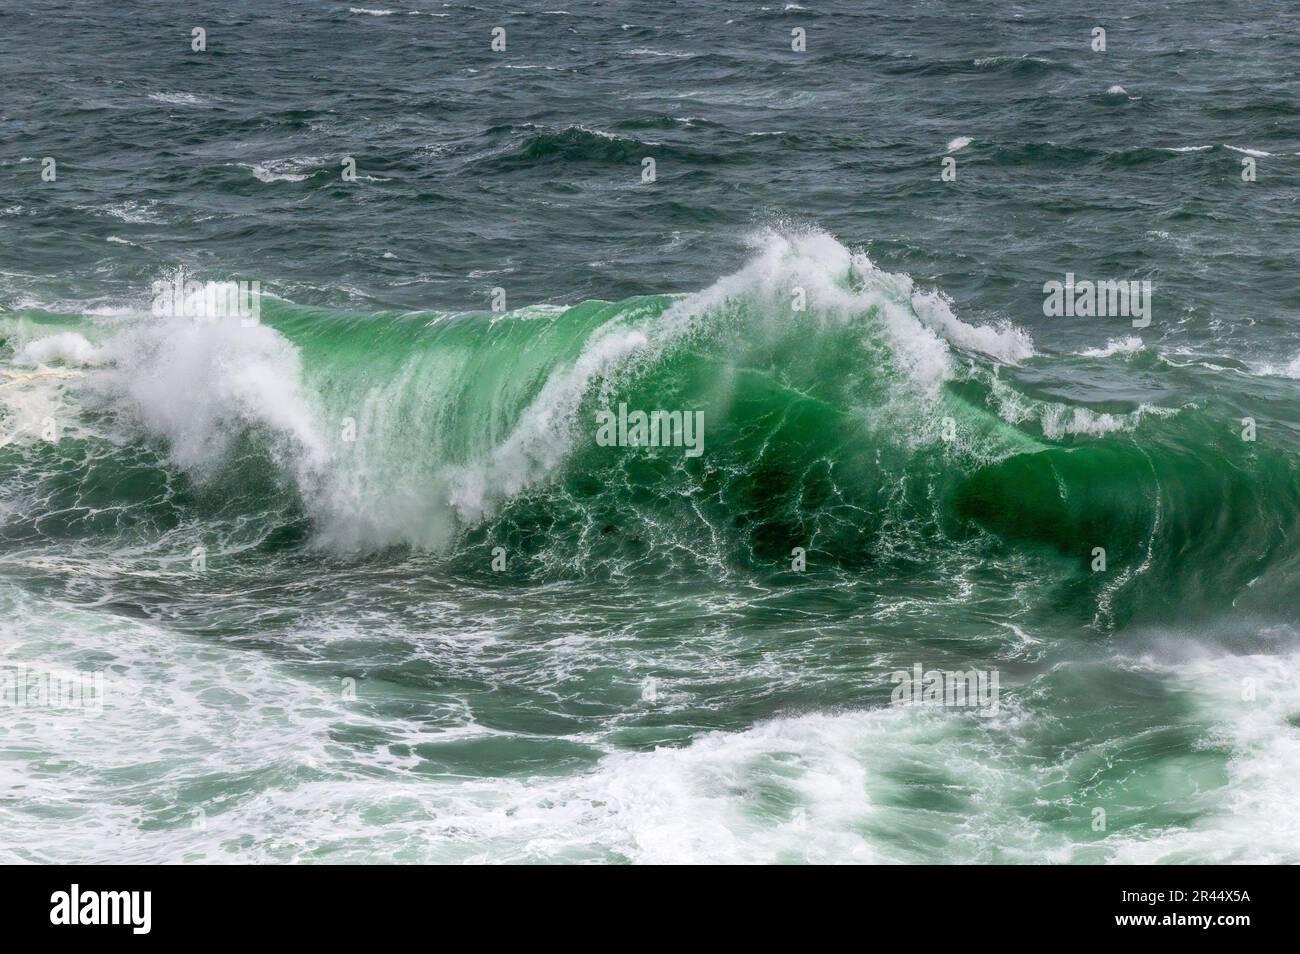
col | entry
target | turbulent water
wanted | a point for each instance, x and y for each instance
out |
(361, 582)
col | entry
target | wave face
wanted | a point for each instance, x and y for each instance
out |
(845, 412)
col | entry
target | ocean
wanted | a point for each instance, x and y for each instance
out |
(675, 432)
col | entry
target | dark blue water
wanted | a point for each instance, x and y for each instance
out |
(522, 169)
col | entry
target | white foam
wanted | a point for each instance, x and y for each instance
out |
(198, 385)
(136, 213)
(178, 99)
(33, 400)
(1245, 150)
(646, 51)
(284, 170)
(66, 348)
(1251, 701)
(265, 175)
(542, 439)
(1060, 420)
(1004, 341)
(1130, 345)
(814, 788)
(996, 60)
(1289, 370)
(895, 784)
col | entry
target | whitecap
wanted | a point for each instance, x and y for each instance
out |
(1130, 345)
(66, 348)
(1245, 150)
(179, 99)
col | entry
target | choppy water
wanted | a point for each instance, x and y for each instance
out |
(280, 546)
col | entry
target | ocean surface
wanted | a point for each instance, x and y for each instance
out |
(359, 582)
